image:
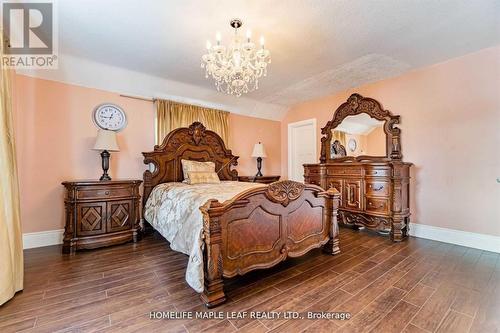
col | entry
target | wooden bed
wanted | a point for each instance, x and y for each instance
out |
(256, 229)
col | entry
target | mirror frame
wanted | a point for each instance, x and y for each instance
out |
(357, 104)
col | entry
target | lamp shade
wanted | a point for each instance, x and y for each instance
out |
(258, 150)
(106, 140)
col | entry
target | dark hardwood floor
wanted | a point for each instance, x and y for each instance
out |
(414, 286)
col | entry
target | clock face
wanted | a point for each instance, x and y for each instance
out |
(352, 144)
(109, 117)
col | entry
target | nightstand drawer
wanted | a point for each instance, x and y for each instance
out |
(104, 193)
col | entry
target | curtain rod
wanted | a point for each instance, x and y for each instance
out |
(152, 99)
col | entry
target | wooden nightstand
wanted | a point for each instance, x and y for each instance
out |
(261, 179)
(100, 213)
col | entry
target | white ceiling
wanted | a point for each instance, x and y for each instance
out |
(318, 47)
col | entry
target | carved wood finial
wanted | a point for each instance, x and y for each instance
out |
(333, 191)
(284, 191)
(197, 130)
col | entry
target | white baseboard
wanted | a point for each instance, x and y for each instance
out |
(458, 237)
(42, 238)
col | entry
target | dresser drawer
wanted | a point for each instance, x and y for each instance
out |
(378, 171)
(377, 188)
(349, 171)
(103, 193)
(377, 205)
(312, 180)
(313, 171)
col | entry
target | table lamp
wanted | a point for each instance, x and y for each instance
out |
(259, 152)
(106, 142)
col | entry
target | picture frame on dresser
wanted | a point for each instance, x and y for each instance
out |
(374, 189)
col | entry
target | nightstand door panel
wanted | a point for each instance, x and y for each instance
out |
(91, 218)
(120, 215)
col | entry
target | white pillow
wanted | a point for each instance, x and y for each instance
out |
(188, 166)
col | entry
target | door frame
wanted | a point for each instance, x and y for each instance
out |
(297, 124)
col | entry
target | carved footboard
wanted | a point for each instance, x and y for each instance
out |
(262, 227)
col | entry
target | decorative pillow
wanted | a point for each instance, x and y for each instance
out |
(202, 177)
(188, 165)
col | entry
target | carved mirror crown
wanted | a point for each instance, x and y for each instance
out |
(357, 104)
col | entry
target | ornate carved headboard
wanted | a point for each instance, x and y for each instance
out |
(190, 143)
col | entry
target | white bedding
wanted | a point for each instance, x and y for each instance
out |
(173, 210)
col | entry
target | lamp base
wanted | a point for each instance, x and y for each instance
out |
(105, 177)
(105, 165)
(259, 166)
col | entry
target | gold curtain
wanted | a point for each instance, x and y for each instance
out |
(171, 115)
(339, 135)
(11, 246)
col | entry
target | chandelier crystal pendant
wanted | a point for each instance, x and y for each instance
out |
(237, 68)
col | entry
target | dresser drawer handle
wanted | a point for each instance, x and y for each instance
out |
(376, 189)
(107, 192)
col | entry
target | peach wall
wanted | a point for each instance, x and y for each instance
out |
(54, 134)
(247, 131)
(376, 142)
(443, 109)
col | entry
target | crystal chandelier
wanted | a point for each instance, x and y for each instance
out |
(237, 68)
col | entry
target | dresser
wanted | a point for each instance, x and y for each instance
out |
(100, 213)
(361, 156)
(259, 179)
(373, 195)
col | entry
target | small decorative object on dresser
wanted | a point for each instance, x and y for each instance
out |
(100, 213)
(374, 188)
(259, 179)
(259, 152)
(106, 142)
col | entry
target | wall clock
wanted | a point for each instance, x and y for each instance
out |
(352, 145)
(109, 116)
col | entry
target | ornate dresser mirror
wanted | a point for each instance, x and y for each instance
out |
(365, 123)
(361, 157)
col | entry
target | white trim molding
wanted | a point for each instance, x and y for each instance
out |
(42, 238)
(306, 122)
(90, 74)
(458, 237)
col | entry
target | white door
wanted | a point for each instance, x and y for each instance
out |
(301, 147)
